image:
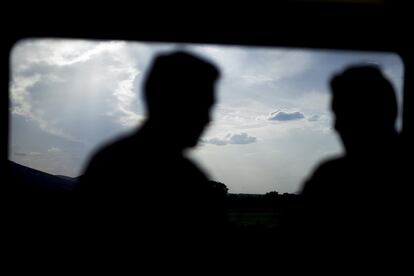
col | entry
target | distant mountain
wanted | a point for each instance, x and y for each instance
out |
(22, 177)
(246, 195)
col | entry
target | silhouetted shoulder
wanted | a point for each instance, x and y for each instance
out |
(325, 175)
(141, 192)
(116, 148)
(107, 153)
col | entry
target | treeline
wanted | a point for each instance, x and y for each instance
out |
(270, 200)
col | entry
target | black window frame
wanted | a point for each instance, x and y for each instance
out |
(334, 25)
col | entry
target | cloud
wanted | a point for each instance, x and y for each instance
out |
(66, 86)
(54, 150)
(258, 64)
(242, 138)
(59, 52)
(25, 154)
(256, 79)
(314, 118)
(20, 96)
(126, 97)
(215, 141)
(24, 105)
(286, 116)
(234, 139)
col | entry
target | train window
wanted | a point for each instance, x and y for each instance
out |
(271, 126)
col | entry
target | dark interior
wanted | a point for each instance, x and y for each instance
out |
(320, 24)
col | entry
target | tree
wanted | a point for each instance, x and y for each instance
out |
(219, 187)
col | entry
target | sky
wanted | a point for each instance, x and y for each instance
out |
(271, 126)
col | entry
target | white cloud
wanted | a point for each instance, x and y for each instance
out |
(258, 64)
(216, 141)
(242, 138)
(62, 85)
(22, 104)
(20, 154)
(20, 96)
(314, 118)
(26, 154)
(59, 52)
(252, 79)
(54, 150)
(286, 116)
(234, 139)
(126, 97)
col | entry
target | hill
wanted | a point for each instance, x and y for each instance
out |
(34, 180)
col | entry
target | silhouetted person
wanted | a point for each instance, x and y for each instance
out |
(140, 194)
(351, 209)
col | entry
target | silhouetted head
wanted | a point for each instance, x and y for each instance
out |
(365, 107)
(179, 93)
